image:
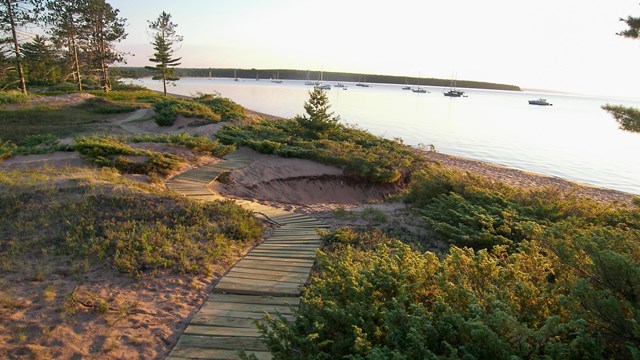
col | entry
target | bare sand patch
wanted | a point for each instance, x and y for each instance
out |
(58, 160)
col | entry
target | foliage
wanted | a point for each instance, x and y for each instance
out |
(42, 62)
(362, 154)
(167, 111)
(101, 216)
(228, 110)
(565, 297)
(104, 106)
(627, 117)
(163, 32)
(12, 97)
(199, 143)
(471, 211)
(7, 148)
(320, 123)
(115, 152)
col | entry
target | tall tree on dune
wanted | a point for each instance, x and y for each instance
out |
(628, 117)
(164, 37)
(65, 21)
(104, 29)
(14, 15)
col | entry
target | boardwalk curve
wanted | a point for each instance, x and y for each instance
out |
(268, 279)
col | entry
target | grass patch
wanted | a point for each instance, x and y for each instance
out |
(12, 97)
(168, 109)
(228, 110)
(101, 216)
(364, 155)
(115, 152)
(199, 143)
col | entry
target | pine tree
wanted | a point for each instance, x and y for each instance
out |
(320, 122)
(164, 38)
(15, 14)
(104, 29)
(42, 61)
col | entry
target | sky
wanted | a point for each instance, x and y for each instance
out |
(561, 45)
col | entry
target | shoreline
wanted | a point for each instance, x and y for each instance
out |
(512, 176)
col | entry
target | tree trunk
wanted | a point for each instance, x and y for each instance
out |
(164, 81)
(23, 85)
(76, 61)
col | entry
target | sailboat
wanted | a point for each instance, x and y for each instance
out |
(406, 85)
(307, 80)
(361, 84)
(453, 92)
(418, 89)
(320, 85)
(277, 78)
(210, 77)
(235, 76)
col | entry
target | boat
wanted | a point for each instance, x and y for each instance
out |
(307, 80)
(454, 93)
(322, 86)
(540, 101)
(339, 85)
(406, 85)
(419, 90)
(406, 88)
(277, 79)
(235, 76)
(361, 84)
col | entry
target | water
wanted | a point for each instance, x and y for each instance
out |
(573, 139)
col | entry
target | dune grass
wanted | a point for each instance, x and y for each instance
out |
(101, 216)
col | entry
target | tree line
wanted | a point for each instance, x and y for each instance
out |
(47, 42)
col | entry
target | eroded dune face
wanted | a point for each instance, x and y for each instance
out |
(297, 181)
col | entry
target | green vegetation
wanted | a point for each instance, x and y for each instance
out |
(167, 111)
(101, 216)
(164, 38)
(115, 152)
(319, 137)
(569, 294)
(627, 117)
(200, 143)
(228, 110)
(12, 97)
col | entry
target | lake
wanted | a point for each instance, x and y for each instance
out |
(573, 139)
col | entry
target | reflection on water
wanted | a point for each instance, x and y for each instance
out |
(573, 139)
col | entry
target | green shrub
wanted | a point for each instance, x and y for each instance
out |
(103, 106)
(12, 97)
(114, 152)
(228, 110)
(570, 295)
(125, 225)
(199, 143)
(167, 111)
(7, 148)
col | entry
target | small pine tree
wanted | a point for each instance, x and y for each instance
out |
(320, 122)
(164, 37)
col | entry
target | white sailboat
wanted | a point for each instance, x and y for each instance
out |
(277, 78)
(307, 80)
(235, 76)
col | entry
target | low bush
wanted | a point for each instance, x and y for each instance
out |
(115, 152)
(131, 227)
(7, 148)
(376, 298)
(167, 111)
(199, 143)
(12, 97)
(228, 110)
(104, 106)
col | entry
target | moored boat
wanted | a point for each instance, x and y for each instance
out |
(454, 93)
(540, 101)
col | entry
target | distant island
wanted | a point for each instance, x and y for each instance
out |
(288, 74)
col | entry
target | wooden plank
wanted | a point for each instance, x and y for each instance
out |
(257, 288)
(233, 313)
(290, 254)
(213, 354)
(266, 272)
(223, 321)
(221, 331)
(266, 300)
(278, 266)
(291, 278)
(286, 246)
(259, 308)
(222, 342)
(292, 261)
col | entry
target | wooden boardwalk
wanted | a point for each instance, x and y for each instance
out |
(268, 279)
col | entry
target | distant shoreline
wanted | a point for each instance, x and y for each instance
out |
(314, 75)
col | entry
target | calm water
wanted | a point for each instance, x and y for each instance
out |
(573, 139)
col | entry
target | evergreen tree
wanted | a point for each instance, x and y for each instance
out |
(104, 30)
(164, 38)
(65, 19)
(627, 117)
(320, 122)
(15, 14)
(41, 60)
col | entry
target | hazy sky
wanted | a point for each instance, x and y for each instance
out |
(565, 45)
